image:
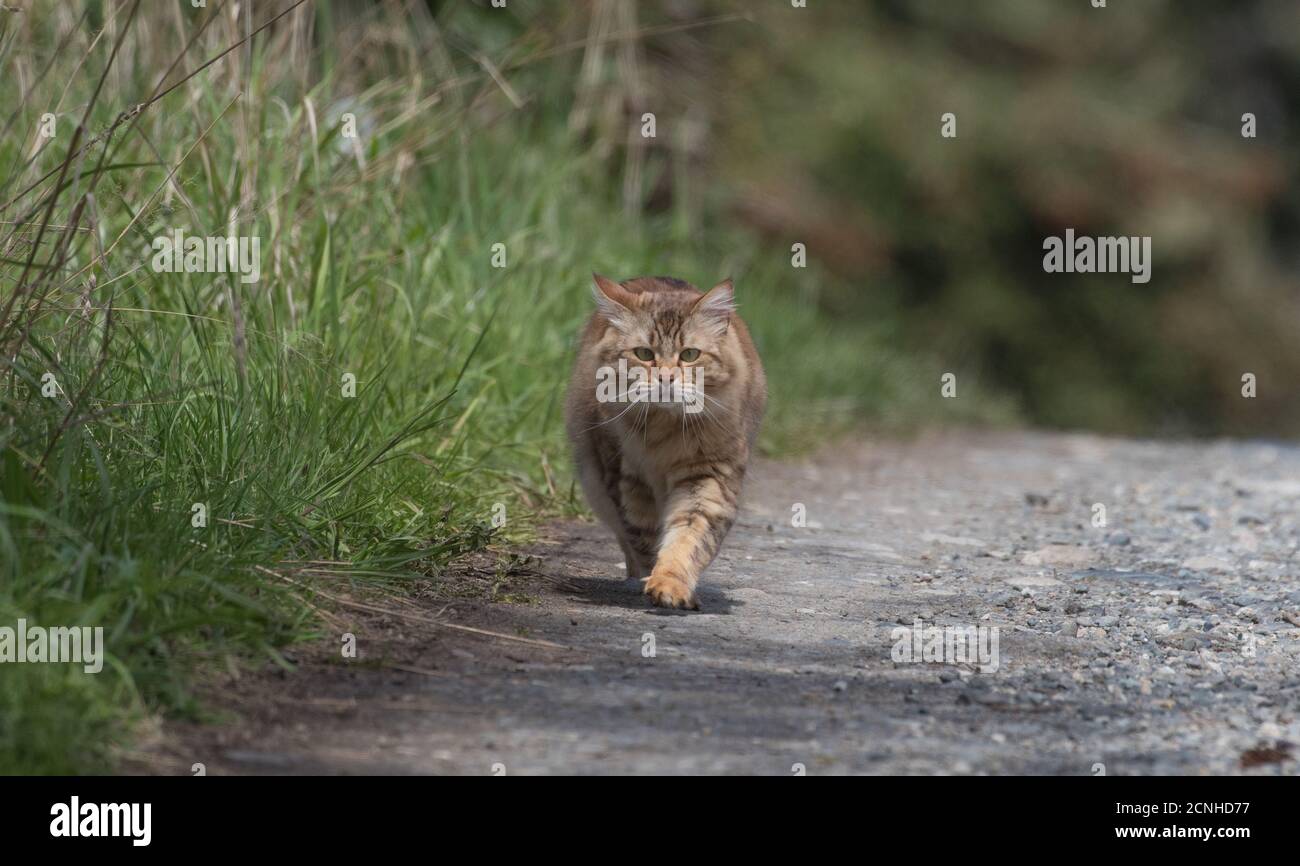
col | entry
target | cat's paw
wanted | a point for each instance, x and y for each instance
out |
(669, 590)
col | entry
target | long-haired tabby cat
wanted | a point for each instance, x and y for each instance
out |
(662, 466)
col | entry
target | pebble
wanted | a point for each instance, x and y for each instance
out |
(1207, 563)
(1061, 555)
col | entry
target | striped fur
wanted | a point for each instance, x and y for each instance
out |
(664, 480)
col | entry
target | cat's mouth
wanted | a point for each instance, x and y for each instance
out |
(673, 396)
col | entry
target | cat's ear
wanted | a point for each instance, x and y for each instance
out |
(614, 302)
(716, 306)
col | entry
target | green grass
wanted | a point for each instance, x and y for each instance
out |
(177, 389)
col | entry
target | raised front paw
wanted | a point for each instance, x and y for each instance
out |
(669, 590)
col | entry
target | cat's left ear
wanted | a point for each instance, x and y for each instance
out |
(716, 306)
(614, 302)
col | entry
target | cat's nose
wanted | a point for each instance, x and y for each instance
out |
(666, 374)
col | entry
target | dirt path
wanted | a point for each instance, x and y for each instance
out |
(1167, 641)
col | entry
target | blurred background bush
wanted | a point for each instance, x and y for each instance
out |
(821, 125)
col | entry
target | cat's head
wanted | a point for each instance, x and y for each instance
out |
(667, 329)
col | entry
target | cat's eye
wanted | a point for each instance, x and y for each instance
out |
(689, 355)
(644, 353)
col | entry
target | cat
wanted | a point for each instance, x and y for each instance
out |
(662, 466)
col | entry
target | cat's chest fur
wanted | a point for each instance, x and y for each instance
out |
(652, 451)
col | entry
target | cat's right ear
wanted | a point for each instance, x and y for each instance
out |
(614, 302)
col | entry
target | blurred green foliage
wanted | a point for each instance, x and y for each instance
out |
(1118, 121)
(821, 125)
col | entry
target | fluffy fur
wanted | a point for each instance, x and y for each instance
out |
(664, 479)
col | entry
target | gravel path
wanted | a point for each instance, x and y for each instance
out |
(1165, 641)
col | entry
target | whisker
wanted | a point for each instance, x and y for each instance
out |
(610, 420)
(715, 418)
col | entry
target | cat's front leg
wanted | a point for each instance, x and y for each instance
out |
(640, 523)
(699, 513)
